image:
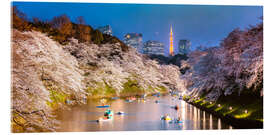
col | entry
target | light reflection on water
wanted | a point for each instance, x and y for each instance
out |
(204, 121)
(219, 123)
(140, 116)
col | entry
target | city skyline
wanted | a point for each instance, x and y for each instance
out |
(201, 24)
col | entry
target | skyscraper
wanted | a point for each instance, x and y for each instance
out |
(134, 40)
(171, 42)
(106, 29)
(153, 47)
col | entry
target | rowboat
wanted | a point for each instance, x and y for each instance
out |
(103, 106)
(104, 120)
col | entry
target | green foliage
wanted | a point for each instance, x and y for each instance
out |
(162, 89)
(219, 108)
(210, 105)
(109, 91)
(102, 90)
(241, 106)
(56, 98)
(186, 97)
(199, 100)
(131, 87)
(204, 103)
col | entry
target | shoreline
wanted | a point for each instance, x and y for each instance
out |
(236, 123)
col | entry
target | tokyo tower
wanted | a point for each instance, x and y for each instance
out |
(171, 42)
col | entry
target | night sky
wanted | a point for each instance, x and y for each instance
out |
(201, 24)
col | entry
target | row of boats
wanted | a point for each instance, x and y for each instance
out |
(108, 114)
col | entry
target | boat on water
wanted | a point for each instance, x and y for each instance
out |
(104, 119)
(178, 121)
(120, 113)
(170, 120)
(131, 99)
(144, 96)
(141, 100)
(157, 94)
(103, 106)
(176, 107)
(166, 117)
(115, 98)
(108, 116)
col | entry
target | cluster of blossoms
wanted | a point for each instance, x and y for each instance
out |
(234, 66)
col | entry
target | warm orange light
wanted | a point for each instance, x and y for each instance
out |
(171, 42)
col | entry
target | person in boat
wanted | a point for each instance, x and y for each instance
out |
(176, 107)
(179, 118)
(108, 114)
(166, 117)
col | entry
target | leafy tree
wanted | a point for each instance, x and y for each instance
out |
(97, 37)
(42, 26)
(83, 32)
(19, 20)
(64, 26)
(60, 28)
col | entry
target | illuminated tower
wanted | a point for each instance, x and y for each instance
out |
(171, 42)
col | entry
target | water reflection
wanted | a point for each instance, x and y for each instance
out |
(183, 112)
(199, 118)
(204, 120)
(219, 123)
(211, 122)
(140, 116)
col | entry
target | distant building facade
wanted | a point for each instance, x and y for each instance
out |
(106, 29)
(134, 40)
(153, 47)
(184, 46)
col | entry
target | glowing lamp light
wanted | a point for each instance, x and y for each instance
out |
(218, 105)
(230, 108)
(246, 111)
(210, 102)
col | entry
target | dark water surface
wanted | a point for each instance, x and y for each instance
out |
(140, 116)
